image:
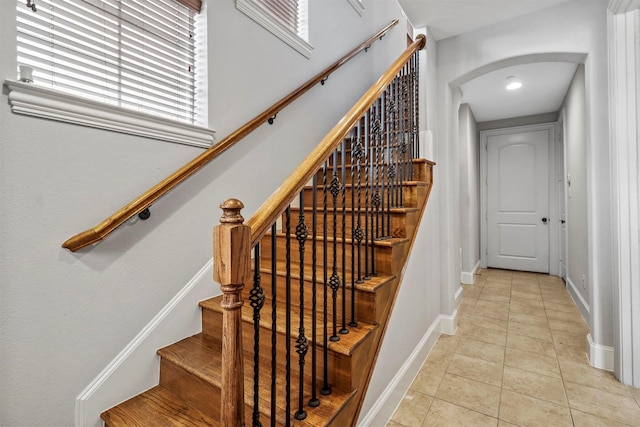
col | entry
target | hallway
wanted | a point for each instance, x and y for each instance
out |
(517, 359)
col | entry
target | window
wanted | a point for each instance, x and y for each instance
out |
(286, 19)
(135, 54)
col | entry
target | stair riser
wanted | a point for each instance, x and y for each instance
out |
(397, 228)
(389, 196)
(337, 363)
(381, 252)
(359, 174)
(365, 302)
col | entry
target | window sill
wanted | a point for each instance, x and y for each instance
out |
(259, 15)
(31, 100)
(358, 6)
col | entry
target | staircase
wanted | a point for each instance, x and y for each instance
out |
(190, 372)
(308, 282)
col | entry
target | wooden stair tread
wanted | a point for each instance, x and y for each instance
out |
(349, 209)
(385, 242)
(156, 407)
(347, 344)
(369, 285)
(200, 355)
(350, 185)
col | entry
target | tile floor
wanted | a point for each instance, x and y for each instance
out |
(517, 359)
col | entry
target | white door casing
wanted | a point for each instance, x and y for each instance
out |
(516, 174)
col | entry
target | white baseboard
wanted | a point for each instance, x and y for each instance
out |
(582, 305)
(137, 367)
(458, 297)
(600, 356)
(388, 401)
(449, 324)
(468, 278)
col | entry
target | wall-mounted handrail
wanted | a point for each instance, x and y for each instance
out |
(144, 201)
(273, 207)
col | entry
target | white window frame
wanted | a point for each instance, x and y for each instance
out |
(266, 19)
(357, 5)
(31, 100)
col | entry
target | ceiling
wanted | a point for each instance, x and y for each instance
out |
(544, 83)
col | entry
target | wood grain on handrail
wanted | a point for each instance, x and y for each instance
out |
(100, 231)
(273, 207)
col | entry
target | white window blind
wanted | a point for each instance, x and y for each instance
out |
(136, 54)
(291, 13)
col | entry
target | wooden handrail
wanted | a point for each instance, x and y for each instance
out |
(104, 228)
(273, 207)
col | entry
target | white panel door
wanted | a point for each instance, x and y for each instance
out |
(518, 200)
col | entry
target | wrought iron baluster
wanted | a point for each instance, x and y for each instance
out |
(274, 316)
(256, 300)
(368, 183)
(302, 344)
(357, 151)
(314, 401)
(344, 329)
(334, 280)
(326, 389)
(287, 336)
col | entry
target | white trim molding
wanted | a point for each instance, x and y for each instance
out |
(357, 5)
(468, 277)
(264, 18)
(391, 397)
(137, 367)
(600, 356)
(624, 109)
(449, 324)
(32, 100)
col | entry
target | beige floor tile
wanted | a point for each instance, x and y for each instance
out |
(505, 424)
(440, 357)
(445, 414)
(469, 393)
(569, 344)
(528, 319)
(495, 310)
(476, 369)
(580, 372)
(428, 379)
(447, 342)
(558, 299)
(393, 424)
(534, 385)
(527, 302)
(472, 292)
(532, 345)
(565, 325)
(623, 409)
(580, 419)
(479, 333)
(568, 307)
(481, 350)
(525, 294)
(636, 393)
(532, 362)
(538, 332)
(413, 409)
(571, 316)
(529, 411)
(525, 309)
(486, 322)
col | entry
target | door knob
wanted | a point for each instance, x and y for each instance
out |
(544, 220)
(562, 221)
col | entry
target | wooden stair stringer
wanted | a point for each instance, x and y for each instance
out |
(355, 405)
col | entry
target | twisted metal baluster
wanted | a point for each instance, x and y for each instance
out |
(344, 329)
(334, 280)
(274, 317)
(287, 336)
(368, 182)
(302, 344)
(326, 389)
(314, 401)
(356, 153)
(256, 300)
(415, 124)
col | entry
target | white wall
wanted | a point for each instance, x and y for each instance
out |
(560, 33)
(576, 161)
(469, 193)
(63, 315)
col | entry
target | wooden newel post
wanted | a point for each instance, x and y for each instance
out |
(232, 263)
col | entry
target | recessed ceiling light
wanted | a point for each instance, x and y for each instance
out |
(513, 83)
